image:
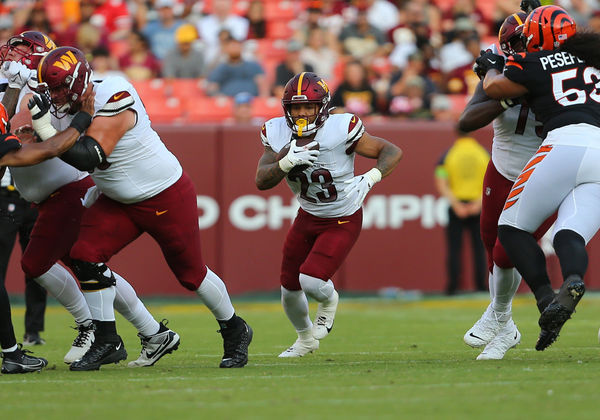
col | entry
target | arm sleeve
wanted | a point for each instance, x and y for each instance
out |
(86, 154)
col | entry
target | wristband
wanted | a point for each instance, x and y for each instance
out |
(285, 165)
(45, 132)
(374, 175)
(81, 121)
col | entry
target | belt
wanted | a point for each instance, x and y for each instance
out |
(9, 191)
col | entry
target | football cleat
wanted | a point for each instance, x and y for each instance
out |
(486, 328)
(301, 348)
(19, 361)
(235, 345)
(559, 311)
(507, 338)
(100, 353)
(156, 346)
(81, 344)
(33, 339)
(325, 316)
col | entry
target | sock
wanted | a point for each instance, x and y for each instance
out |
(100, 303)
(491, 285)
(132, 308)
(571, 252)
(295, 306)
(63, 286)
(10, 349)
(316, 288)
(213, 293)
(506, 282)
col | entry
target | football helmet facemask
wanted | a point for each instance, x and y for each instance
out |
(306, 88)
(28, 47)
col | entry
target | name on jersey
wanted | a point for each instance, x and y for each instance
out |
(559, 59)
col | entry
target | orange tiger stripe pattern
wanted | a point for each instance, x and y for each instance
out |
(518, 187)
(547, 27)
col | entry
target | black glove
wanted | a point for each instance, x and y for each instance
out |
(38, 105)
(487, 61)
(529, 5)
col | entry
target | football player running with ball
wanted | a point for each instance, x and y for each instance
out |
(314, 151)
(559, 77)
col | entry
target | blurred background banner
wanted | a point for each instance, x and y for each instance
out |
(401, 245)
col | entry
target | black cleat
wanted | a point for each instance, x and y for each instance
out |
(19, 361)
(100, 353)
(33, 339)
(559, 311)
(235, 345)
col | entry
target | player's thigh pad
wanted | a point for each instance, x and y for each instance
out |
(541, 187)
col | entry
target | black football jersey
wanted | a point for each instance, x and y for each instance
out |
(563, 90)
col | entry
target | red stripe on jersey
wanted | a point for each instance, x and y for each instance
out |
(512, 63)
(353, 121)
(119, 96)
(263, 130)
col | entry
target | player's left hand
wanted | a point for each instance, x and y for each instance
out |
(360, 185)
(529, 5)
(17, 74)
(487, 61)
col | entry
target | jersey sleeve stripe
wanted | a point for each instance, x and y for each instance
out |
(513, 63)
(114, 108)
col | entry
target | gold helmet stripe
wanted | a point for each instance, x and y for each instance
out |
(300, 83)
(39, 69)
(518, 19)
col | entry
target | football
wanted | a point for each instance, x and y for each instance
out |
(302, 141)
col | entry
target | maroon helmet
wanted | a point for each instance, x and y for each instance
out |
(63, 75)
(28, 48)
(301, 89)
(510, 34)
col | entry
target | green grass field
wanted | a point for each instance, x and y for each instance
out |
(384, 359)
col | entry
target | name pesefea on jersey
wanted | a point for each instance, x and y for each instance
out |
(562, 87)
(140, 165)
(515, 140)
(36, 183)
(320, 189)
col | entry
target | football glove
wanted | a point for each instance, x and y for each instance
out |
(529, 5)
(299, 155)
(17, 74)
(39, 107)
(360, 185)
(487, 61)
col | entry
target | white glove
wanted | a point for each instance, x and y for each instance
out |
(39, 107)
(299, 155)
(360, 186)
(17, 74)
(91, 196)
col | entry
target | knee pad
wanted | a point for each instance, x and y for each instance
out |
(93, 276)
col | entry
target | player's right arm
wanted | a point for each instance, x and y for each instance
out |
(34, 153)
(480, 111)
(268, 173)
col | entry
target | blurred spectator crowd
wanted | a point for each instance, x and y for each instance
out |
(220, 60)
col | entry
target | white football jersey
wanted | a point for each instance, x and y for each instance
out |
(140, 165)
(515, 140)
(36, 183)
(320, 188)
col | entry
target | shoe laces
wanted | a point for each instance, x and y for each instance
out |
(84, 334)
(321, 321)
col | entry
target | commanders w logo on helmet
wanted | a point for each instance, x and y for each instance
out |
(547, 27)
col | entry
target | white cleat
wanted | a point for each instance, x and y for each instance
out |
(301, 348)
(325, 317)
(81, 344)
(486, 328)
(508, 337)
(156, 346)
